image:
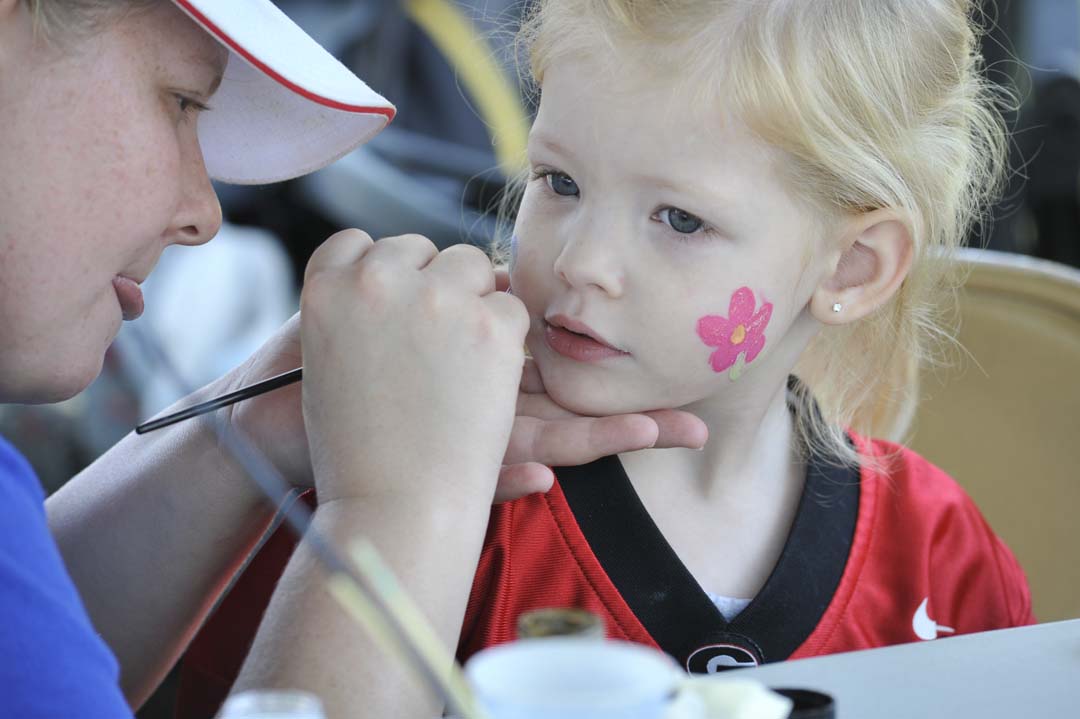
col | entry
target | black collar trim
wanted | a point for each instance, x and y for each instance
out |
(670, 603)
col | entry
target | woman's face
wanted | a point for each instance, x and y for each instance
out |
(100, 170)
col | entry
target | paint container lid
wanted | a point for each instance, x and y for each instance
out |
(560, 622)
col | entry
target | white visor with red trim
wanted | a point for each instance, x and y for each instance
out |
(285, 106)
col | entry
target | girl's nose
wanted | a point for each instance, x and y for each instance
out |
(590, 260)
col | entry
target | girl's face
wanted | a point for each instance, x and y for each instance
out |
(100, 170)
(662, 260)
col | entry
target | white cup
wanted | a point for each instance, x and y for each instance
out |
(568, 678)
(272, 704)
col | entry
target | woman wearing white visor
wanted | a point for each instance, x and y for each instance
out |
(115, 116)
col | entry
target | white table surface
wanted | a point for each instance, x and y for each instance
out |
(1024, 673)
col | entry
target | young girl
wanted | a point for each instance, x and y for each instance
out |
(744, 210)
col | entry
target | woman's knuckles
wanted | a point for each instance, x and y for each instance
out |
(511, 313)
(342, 248)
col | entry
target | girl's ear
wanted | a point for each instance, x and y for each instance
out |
(869, 271)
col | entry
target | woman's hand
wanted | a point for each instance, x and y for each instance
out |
(547, 435)
(412, 362)
(274, 420)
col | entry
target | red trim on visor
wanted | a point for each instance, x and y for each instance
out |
(202, 19)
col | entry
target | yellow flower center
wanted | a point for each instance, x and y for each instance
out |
(738, 335)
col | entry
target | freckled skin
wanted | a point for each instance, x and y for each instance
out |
(99, 172)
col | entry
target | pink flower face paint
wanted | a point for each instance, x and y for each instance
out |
(739, 337)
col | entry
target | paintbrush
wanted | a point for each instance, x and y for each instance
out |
(252, 390)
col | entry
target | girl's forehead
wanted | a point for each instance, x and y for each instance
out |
(625, 82)
(648, 136)
(584, 102)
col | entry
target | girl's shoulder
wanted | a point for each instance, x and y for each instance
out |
(908, 500)
(924, 562)
(904, 495)
(907, 477)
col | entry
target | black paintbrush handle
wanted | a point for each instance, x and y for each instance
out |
(224, 400)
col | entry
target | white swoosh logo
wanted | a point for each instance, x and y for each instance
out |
(926, 628)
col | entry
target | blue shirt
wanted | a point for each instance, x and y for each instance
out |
(52, 662)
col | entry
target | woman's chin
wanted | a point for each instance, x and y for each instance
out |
(47, 385)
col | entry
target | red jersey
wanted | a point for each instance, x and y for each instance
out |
(873, 558)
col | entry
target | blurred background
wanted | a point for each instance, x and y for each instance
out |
(439, 169)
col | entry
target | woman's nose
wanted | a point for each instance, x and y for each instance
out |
(198, 217)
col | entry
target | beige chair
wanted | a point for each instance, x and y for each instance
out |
(1006, 422)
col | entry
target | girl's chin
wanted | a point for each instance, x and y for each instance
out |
(588, 399)
(595, 397)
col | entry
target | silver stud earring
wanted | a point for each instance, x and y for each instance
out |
(837, 307)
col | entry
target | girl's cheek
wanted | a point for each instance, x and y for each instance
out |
(529, 259)
(525, 278)
(734, 338)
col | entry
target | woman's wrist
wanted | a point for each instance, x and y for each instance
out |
(272, 423)
(415, 476)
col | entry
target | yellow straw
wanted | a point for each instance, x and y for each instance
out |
(416, 631)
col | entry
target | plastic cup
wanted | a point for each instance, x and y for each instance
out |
(568, 678)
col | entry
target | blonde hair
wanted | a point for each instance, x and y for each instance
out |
(874, 104)
(60, 19)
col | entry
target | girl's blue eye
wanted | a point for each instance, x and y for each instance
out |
(562, 184)
(681, 221)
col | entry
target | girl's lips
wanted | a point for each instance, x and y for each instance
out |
(578, 346)
(130, 296)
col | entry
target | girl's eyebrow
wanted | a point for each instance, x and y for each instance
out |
(550, 144)
(694, 191)
(702, 197)
(713, 205)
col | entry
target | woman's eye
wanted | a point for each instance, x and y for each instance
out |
(681, 221)
(562, 184)
(187, 104)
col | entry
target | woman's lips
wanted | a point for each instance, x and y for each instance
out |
(130, 296)
(580, 347)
